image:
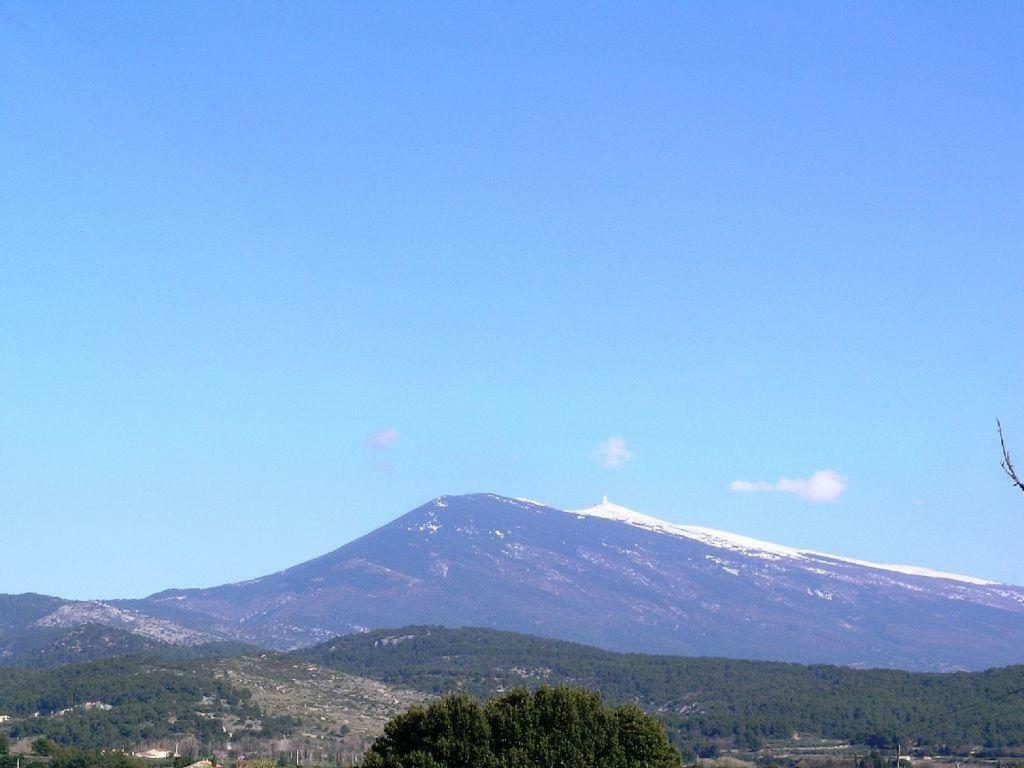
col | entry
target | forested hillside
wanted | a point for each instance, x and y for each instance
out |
(704, 699)
(122, 702)
(48, 647)
(263, 703)
(705, 703)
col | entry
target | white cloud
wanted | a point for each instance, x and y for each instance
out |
(825, 485)
(612, 453)
(382, 439)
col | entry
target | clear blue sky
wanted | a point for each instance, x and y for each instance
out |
(238, 240)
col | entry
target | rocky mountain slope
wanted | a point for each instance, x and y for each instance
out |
(617, 579)
(42, 632)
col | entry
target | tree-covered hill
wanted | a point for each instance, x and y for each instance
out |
(359, 680)
(251, 702)
(122, 702)
(704, 699)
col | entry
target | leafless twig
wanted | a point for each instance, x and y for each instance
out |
(1006, 463)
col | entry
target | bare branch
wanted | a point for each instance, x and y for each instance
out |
(1007, 463)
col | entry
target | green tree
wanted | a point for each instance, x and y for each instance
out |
(562, 726)
(451, 732)
(43, 747)
(642, 739)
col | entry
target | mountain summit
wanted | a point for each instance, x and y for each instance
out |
(616, 578)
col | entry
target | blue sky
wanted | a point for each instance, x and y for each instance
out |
(273, 274)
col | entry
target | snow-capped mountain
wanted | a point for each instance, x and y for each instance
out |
(612, 577)
(753, 547)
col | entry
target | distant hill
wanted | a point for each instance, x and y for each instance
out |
(261, 704)
(704, 699)
(38, 631)
(45, 647)
(19, 611)
(121, 703)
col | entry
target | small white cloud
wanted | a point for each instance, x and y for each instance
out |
(612, 453)
(746, 486)
(382, 439)
(825, 485)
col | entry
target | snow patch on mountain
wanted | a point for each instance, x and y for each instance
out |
(753, 547)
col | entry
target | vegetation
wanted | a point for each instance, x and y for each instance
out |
(331, 706)
(43, 747)
(706, 702)
(549, 727)
(120, 702)
(48, 647)
(1007, 462)
(71, 757)
(93, 758)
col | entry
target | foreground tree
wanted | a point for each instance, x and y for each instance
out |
(550, 727)
(1007, 462)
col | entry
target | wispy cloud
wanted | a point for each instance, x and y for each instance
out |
(612, 453)
(825, 485)
(382, 439)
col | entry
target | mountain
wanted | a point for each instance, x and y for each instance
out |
(614, 578)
